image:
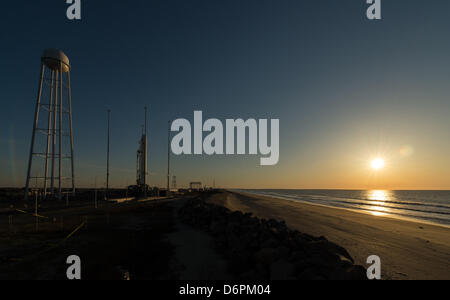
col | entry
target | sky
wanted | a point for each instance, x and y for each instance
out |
(345, 89)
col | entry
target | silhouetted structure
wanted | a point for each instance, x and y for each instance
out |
(54, 65)
(107, 152)
(168, 159)
(141, 161)
(174, 182)
(195, 185)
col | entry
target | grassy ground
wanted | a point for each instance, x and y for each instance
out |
(113, 240)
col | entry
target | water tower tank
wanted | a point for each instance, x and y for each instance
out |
(54, 59)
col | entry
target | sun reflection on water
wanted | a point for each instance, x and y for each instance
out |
(377, 201)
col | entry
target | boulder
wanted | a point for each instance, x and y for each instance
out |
(259, 249)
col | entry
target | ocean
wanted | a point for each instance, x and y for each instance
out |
(430, 206)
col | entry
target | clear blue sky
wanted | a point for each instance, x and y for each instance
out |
(344, 88)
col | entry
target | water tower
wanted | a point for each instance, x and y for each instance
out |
(50, 162)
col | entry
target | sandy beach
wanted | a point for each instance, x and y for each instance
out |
(407, 249)
(170, 236)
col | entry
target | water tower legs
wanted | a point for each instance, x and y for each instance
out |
(57, 64)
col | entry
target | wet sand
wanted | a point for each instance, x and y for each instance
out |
(407, 249)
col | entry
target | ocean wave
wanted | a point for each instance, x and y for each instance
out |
(424, 210)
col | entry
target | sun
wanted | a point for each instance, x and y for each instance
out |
(377, 163)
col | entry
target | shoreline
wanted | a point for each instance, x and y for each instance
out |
(366, 212)
(408, 249)
(187, 239)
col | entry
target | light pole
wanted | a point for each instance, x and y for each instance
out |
(107, 155)
(168, 159)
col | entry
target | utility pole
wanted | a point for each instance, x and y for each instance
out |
(95, 192)
(36, 209)
(168, 160)
(107, 157)
(145, 154)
